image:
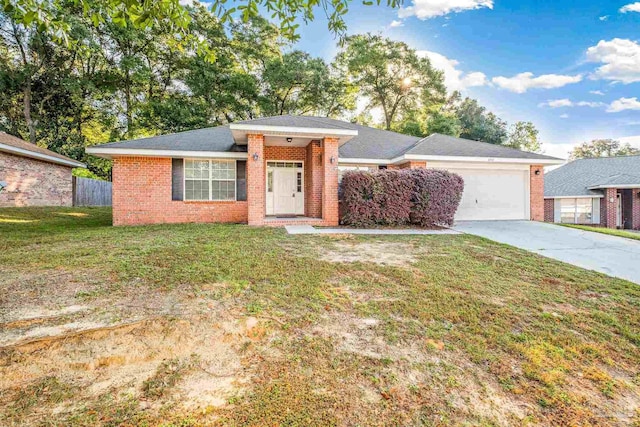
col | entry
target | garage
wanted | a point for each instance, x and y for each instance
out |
(493, 193)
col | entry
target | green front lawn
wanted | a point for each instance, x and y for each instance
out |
(604, 230)
(185, 325)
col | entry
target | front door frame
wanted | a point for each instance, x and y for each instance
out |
(270, 207)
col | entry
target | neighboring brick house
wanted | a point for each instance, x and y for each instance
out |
(603, 191)
(34, 176)
(285, 170)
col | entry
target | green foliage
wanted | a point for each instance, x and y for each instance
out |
(480, 125)
(391, 76)
(444, 123)
(602, 148)
(524, 136)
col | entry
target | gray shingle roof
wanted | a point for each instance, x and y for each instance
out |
(444, 145)
(575, 178)
(207, 139)
(370, 143)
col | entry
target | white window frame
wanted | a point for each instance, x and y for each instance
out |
(575, 210)
(210, 199)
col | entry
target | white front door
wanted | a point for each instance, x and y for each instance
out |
(285, 190)
(284, 183)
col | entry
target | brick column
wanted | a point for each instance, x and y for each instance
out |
(536, 193)
(255, 180)
(635, 209)
(608, 208)
(330, 182)
(313, 180)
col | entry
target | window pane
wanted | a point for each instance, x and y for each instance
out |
(568, 211)
(583, 211)
(196, 190)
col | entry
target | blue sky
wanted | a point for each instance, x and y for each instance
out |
(571, 67)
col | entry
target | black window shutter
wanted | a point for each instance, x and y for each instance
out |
(241, 180)
(177, 178)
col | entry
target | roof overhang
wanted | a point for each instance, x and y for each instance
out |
(109, 153)
(41, 156)
(241, 130)
(623, 186)
(420, 157)
(580, 196)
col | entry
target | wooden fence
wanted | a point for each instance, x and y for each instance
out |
(91, 192)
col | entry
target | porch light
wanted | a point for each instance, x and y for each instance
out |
(537, 172)
(255, 157)
(332, 160)
(289, 140)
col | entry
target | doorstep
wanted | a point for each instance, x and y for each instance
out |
(308, 229)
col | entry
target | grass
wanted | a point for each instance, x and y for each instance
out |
(464, 332)
(604, 230)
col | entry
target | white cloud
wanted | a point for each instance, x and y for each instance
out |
(425, 9)
(623, 104)
(557, 103)
(396, 23)
(631, 7)
(522, 82)
(564, 116)
(596, 92)
(604, 18)
(621, 59)
(454, 78)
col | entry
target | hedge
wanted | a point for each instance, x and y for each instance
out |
(423, 197)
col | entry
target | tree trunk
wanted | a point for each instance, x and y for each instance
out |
(27, 111)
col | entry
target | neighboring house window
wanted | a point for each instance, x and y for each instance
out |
(576, 211)
(210, 179)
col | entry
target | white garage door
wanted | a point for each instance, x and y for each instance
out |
(493, 194)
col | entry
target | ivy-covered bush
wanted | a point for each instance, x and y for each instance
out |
(423, 197)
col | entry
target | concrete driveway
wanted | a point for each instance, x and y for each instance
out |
(615, 256)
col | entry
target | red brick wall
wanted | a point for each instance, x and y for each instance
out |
(32, 182)
(608, 210)
(330, 207)
(635, 209)
(536, 193)
(256, 180)
(412, 165)
(142, 195)
(548, 210)
(294, 154)
(313, 180)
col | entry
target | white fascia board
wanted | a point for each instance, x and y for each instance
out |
(292, 130)
(601, 187)
(40, 156)
(349, 161)
(108, 153)
(408, 157)
(584, 196)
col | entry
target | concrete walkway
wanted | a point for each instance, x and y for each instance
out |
(308, 229)
(615, 256)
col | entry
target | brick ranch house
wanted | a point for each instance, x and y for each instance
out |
(34, 176)
(285, 169)
(603, 191)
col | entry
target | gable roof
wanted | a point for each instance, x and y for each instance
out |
(583, 177)
(16, 146)
(369, 143)
(444, 145)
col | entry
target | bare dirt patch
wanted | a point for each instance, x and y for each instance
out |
(383, 253)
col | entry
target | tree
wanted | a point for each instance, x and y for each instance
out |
(171, 15)
(524, 136)
(391, 76)
(602, 148)
(480, 125)
(444, 123)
